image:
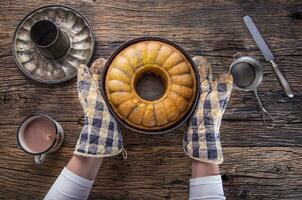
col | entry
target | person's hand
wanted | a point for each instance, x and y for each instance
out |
(202, 139)
(100, 136)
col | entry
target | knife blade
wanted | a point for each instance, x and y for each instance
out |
(266, 52)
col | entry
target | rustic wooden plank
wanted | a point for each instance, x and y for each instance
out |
(233, 134)
(236, 127)
(162, 173)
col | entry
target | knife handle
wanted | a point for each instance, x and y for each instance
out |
(284, 83)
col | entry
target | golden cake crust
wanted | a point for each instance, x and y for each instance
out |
(163, 60)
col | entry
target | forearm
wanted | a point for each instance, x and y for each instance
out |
(201, 169)
(76, 180)
(206, 182)
(86, 167)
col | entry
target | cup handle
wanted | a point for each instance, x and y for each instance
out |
(237, 55)
(39, 159)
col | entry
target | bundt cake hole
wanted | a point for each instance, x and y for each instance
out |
(150, 85)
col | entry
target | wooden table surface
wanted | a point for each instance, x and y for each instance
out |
(260, 163)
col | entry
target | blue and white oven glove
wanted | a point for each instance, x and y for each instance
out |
(202, 138)
(100, 136)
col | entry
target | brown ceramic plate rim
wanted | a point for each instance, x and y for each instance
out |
(17, 29)
(193, 106)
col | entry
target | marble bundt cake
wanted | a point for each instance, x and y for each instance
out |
(161, 60)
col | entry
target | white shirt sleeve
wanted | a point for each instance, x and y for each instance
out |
(69, 186)
(206, 188)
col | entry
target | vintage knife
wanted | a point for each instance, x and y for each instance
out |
(267, 54)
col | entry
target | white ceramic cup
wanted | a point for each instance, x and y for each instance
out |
(54, 145)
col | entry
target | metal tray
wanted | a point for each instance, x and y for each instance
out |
(37, 67)
(167, 129)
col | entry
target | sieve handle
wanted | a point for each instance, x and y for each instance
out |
(265, 115)
(284, 83)
(267, 118)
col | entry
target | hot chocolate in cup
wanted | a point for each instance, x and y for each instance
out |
(39, 135)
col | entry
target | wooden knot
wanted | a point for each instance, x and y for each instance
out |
(225, 178)
(296, 14)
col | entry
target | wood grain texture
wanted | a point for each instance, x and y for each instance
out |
(259, 163)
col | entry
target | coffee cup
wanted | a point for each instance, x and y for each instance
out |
(39, 135)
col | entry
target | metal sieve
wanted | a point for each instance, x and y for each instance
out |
(247, 75)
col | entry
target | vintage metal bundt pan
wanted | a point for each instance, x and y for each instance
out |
(36, 66)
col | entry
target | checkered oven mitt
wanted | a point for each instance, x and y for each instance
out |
(202, 139)
(100, 136)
